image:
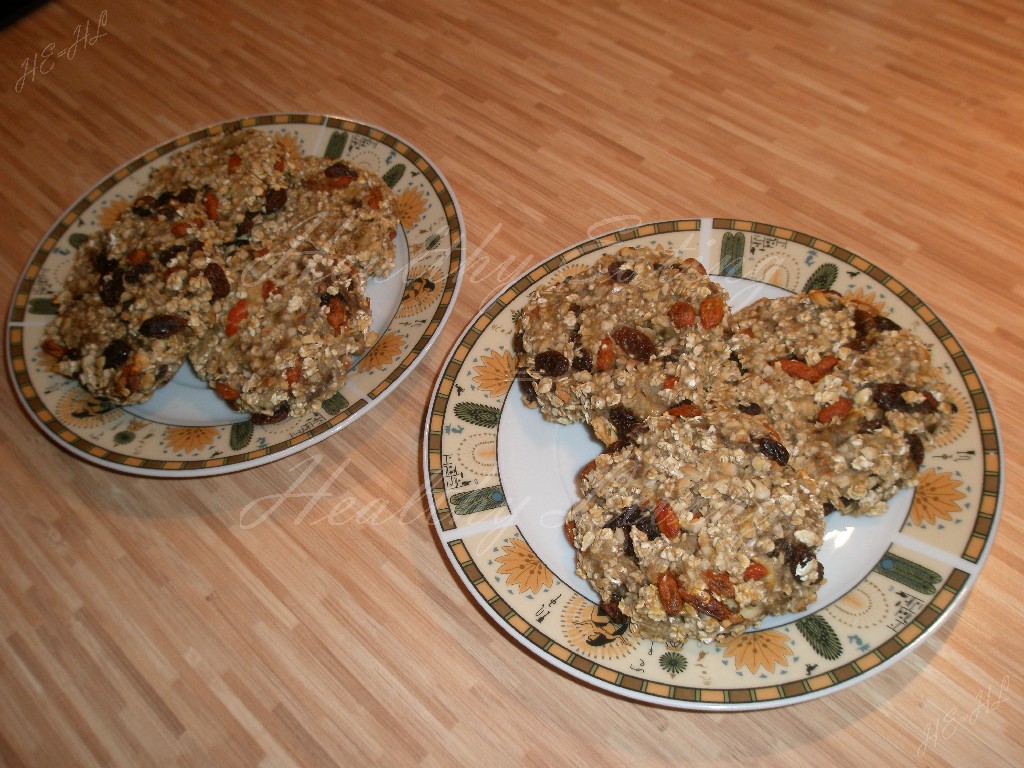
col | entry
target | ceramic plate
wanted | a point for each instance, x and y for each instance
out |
(502, 479)
(185, 429)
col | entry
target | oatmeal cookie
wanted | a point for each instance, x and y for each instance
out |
(138, 296)
(637, 334)
(236, 177)
(698, 528)
(852, 394)
(285, 336)
(342, 209)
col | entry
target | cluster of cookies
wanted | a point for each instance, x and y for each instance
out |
(728, 436)
(240, 256)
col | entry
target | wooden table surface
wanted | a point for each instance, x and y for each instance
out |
(141, 624)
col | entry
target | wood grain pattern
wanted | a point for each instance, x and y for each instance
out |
(143, 622)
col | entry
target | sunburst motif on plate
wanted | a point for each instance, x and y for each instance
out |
(495, 372)
(189, 440)
(384, 352)
(936, 498)
(522, 568)
(755, 651)
(410, 206)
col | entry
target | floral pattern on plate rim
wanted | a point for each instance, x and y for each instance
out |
(925, 570)
(433, 239)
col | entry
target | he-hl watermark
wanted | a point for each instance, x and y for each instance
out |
(954, 720)
(42, 63)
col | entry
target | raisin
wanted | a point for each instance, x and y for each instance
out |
(666, 519)
(735, 358)
(167, 254)
(755, 571)
(871, 425)
(828, 508)
(244, 226)
(53, 349)
(144, 206)
(102, 264)
(634, 343)
(135, 272)
(226, 391)
(889, 397)
(112, 287)
(634, 516)
(865, 324)
(186, 195)
(337, 314)
(719, 583)
(526, 387)
(569, 529)
(218, 280)
(280, 414)
(624, 420)
(130, 378)
(885, 324)
(628, 516)
(164, 198)
(517, 343)
(620, 274)
(116, 354)
(916, 449)
(583, 361)
(136, 257)
(773, 449)
(610, 608)
(589, 467)
(709, 606)
(274, 200)
(669, 595)
(796, 556)
(751, 409)
(617, 446)
(551, 363)
(338, 170)
(162, 326)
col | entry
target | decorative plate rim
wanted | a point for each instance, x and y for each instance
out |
(452, 539)
(452, 254)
